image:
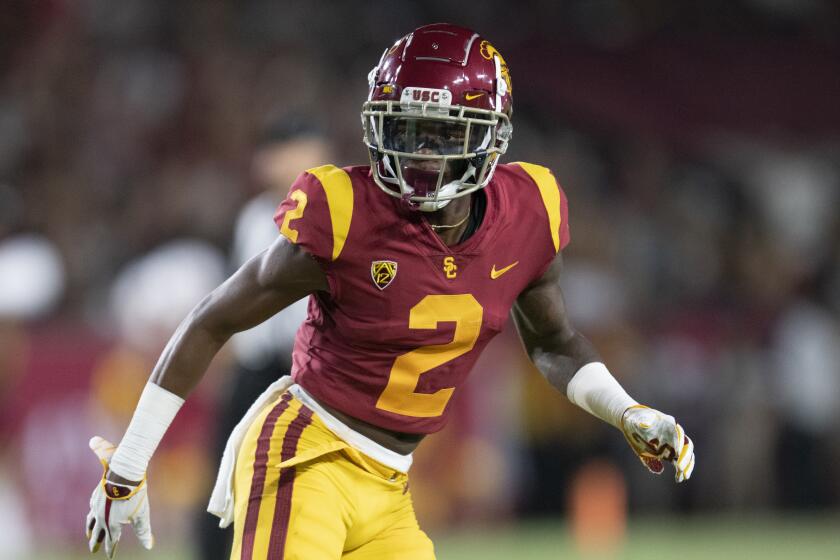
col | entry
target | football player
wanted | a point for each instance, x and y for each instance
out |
(411, 264)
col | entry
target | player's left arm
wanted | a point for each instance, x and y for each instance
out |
(571, 364)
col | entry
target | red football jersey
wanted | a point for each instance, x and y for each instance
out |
(407, 316)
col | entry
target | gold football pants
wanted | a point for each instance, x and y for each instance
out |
(302, 493)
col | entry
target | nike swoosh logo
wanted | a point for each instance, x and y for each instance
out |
(496, 273)
(470, 97)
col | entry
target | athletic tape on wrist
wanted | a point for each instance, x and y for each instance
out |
(155, 411)
(596, 391)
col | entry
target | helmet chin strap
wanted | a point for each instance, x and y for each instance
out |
(435, 205)
(448, 190)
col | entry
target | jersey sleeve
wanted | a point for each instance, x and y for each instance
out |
(554, 201)
(317, 212)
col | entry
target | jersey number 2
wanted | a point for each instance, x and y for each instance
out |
(294, 214)
(399, 395)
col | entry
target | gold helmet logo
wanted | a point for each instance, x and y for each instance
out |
(383, 273)
(488, 51)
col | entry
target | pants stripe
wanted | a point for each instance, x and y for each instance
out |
(285, 486)
(258, 480)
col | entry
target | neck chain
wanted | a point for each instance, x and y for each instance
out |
(436, 227)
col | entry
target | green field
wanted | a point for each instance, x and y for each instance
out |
(744, 537)
(719, 538)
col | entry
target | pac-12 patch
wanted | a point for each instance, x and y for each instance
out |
(383, 273)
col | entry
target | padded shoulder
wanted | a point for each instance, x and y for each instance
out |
(554, 201)
(318, 210)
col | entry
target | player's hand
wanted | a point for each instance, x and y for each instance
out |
(657, 438)
(112, 505)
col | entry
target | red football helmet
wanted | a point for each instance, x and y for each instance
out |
(437, 116)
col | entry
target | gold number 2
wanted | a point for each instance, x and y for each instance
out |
(399, 395)
(293, 214)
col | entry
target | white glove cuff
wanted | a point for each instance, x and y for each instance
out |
(155, 411)
(596, 391)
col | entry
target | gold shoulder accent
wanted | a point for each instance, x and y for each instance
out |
(339, 190)
(550, 194)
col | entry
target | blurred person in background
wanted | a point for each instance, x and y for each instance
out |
(32, 281)
(317, 468)
(264, 353)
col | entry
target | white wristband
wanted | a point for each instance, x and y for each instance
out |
(596, 391)
(155, 411)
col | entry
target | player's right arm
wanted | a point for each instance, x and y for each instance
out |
(266, 284)
(274, 279)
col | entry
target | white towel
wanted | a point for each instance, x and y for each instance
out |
(221, 501)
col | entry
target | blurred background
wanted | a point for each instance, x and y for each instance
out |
(145, 143)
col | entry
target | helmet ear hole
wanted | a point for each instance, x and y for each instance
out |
(478, 161)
